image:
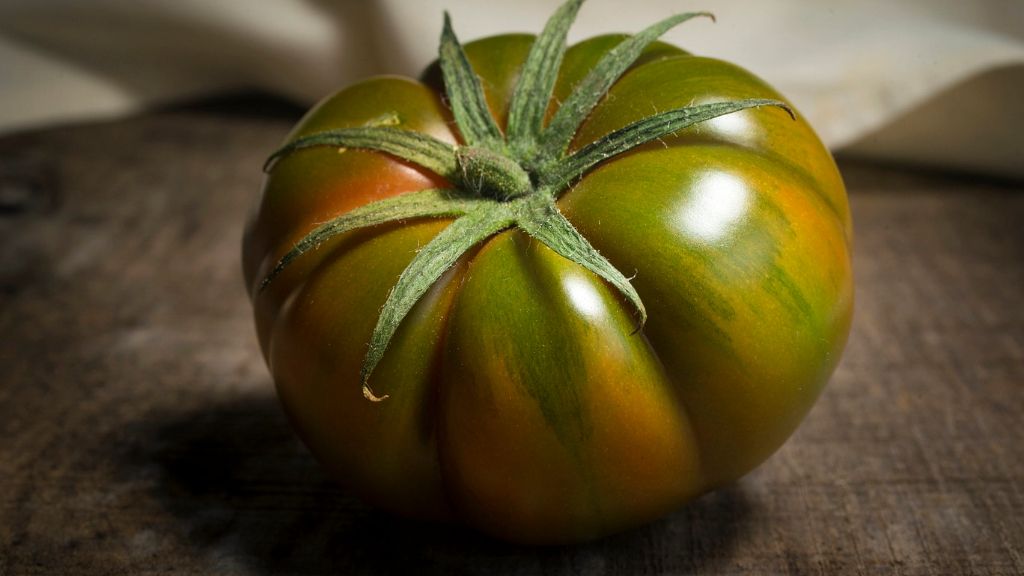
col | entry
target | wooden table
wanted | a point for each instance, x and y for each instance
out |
(139, 432)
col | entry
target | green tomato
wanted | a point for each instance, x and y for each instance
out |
(522, 400)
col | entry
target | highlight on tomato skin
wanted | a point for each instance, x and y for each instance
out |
(510, 294)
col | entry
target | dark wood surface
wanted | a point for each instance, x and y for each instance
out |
(139, 432)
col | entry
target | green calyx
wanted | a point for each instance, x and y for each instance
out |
(500, 180)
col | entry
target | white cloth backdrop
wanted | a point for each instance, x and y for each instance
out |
(938, 82)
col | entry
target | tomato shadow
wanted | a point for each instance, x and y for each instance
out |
(240, 486)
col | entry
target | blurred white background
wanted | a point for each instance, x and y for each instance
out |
(934, 82)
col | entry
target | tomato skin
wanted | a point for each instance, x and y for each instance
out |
(521, 401)
(562, 412)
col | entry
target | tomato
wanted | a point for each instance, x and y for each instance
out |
(521, 397)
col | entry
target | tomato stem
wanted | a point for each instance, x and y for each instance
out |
(492, 175)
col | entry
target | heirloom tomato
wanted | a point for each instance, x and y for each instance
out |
(550, 292)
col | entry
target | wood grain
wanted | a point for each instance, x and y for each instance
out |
(139, 432)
